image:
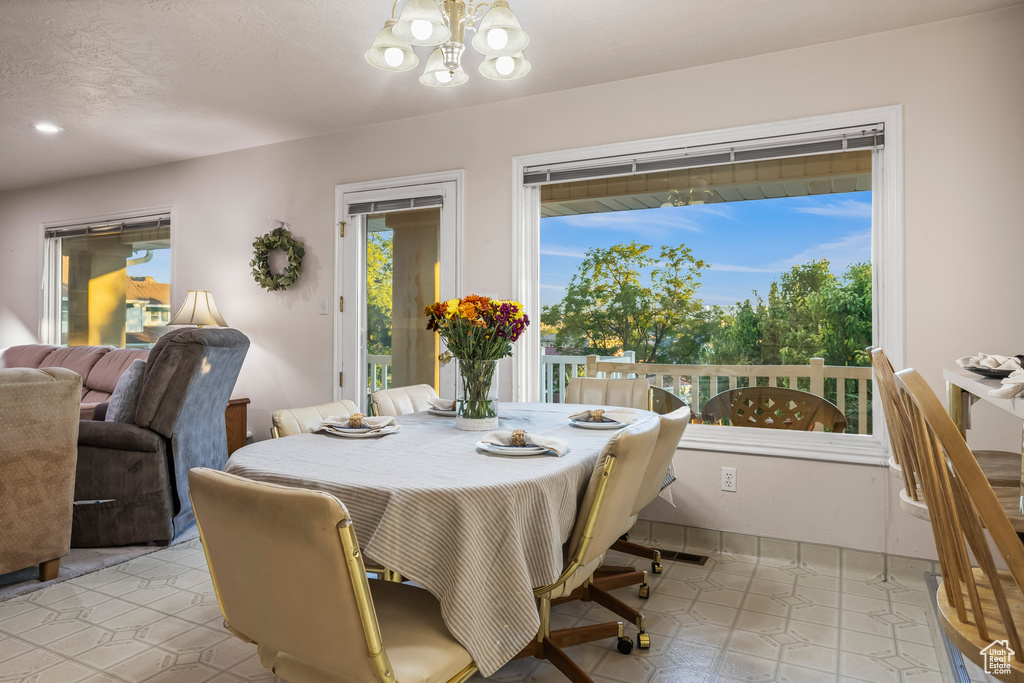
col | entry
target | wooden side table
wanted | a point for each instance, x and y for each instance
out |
(236, 420)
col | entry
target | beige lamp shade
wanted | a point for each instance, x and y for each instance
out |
(505, 67)
(422, 23)
(436, 74)
(500, 32)
(200, 310)
(389, 53)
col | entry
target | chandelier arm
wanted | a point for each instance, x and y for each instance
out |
(394, 7)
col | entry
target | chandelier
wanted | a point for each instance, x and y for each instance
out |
(442, 24)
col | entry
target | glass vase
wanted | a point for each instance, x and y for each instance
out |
(476, 395)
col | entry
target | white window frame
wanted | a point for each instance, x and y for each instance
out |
(350, 270)
(887, 258)
(49, 305)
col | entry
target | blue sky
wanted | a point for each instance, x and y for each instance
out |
(159, 268)
(747, 244)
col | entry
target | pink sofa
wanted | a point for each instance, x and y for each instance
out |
(99, 366)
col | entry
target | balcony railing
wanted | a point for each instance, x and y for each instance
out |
(556, 371)
(849, 387)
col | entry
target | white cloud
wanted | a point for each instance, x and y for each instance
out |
(556, 251)
(557, 288)
(844, 208)
(655, 222)
(740, 269)
(850, 249)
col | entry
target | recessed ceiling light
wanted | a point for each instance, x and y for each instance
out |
(49, 128)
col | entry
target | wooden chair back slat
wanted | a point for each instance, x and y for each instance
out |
(897, 422)
(773, 408)
(989, 604)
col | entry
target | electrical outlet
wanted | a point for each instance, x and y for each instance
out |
(323, 306)
(729, 479)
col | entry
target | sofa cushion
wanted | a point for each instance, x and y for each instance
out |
(104, 375)
(80, 359)
(27, 356)
(125, 398)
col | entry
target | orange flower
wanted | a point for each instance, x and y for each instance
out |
(468, 310)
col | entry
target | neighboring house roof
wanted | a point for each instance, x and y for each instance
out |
(149, 335)
(147, 289)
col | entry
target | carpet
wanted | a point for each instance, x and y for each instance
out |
(81, 561)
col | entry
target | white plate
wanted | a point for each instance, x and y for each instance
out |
(596, 425)
(443, 413)
(361, 433)
(510, 450)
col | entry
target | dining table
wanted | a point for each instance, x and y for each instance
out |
(478, 530)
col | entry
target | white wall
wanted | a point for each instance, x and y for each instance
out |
(961, 83)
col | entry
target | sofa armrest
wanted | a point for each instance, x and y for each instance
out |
(118, 436)
(99, 413)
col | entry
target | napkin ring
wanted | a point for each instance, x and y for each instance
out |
(597, 415)
(355, 420)
(519, 438)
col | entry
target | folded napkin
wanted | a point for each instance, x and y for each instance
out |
(984, 360)
(385, 424)
(442, 403)
(555, 445)
(1011, 385)
(623, 415)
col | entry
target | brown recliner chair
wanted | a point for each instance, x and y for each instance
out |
(38, 433)
(132, 480)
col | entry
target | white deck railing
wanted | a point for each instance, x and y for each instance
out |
(378, 373)
(698, 383)
(556, 371)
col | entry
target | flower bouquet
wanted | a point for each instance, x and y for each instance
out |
(478, 331)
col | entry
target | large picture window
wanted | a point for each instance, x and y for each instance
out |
(110, 282)
(765, 256)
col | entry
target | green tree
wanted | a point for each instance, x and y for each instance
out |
(625, 297)
(380, 251)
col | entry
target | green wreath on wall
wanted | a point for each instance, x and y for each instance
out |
(278, 238)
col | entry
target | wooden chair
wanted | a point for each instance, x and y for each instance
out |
(1001, 468)
(291, 421)
(903, 460)
(773, 408)
(604, 515)
(978, 606)
(627, 393)
(289, 577)
(401, 400)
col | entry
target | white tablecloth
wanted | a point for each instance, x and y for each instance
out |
(478, 531)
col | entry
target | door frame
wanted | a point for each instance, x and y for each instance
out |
(350, 267)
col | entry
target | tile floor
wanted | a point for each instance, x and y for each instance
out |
(759, 610)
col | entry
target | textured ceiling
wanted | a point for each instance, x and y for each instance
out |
(142, 82)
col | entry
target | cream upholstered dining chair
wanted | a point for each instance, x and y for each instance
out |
(402, 400)
(627, 393)
(289, 577)
(604, 515)
(608, 577)
(291, 421)
(980, 607)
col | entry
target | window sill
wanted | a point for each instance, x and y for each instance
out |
(844, 448)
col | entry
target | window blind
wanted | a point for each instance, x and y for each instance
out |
(109, 227)
(389, 205)
(761, 149)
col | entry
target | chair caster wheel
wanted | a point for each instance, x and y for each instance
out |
(625, 645)
(656, 567)
(645, 591)
(643, 641)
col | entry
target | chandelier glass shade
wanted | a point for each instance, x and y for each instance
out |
(442, 24)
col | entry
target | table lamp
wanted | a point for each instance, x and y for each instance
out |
(200, 310)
